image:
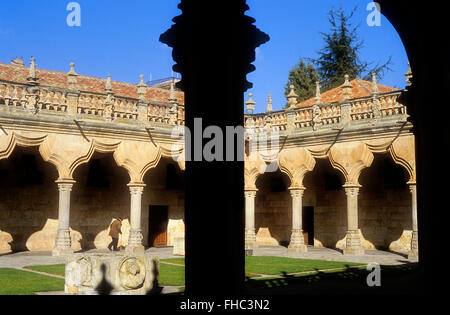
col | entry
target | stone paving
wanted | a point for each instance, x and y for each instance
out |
(20, 260)
(376, 256)
(23, 259)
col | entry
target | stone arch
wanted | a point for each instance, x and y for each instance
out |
(137, 158)
(100, 194)
(350, 158)
(384, 210)
(28, 223)
(9, 141)
(253, 168)
(164, 191)
(67, 152)
(295, 163)
(177, 153)
(402, 151)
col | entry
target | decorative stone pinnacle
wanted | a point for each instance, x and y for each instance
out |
(32, 72)
(172, 98)
(347, 87)
(141, 83)
(142, 87)
(108, 86)
(347, 82)
(71, 77)
(292, 97)
(72, 69)
(374, 83)
(318, 95)
(408, 74)
(250, 104)
(269, 104)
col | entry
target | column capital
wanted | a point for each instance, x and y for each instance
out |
(297, 192)
(65, 185)
(352, 190)
(136, 188)
(137, 184)
(65, 181)
(250, 193)
(412, 188)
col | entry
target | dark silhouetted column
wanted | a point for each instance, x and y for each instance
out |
(214, 44)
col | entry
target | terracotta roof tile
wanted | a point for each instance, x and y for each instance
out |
(361, 88)
(19, 73)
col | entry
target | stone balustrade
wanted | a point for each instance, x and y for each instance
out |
(43, 99)
(329, 115)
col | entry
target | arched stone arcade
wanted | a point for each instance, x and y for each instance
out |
(343, 209)
(93, 189)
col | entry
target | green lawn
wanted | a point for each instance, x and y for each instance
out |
(21, 282)
(277, 265)
(59, 270)
(171, 275)
(179, 261)
(18, 282)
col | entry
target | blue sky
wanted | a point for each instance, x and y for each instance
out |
(120, 38)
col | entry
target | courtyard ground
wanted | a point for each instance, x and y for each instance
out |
(270, 268)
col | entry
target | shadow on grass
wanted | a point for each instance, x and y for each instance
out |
(394, 280)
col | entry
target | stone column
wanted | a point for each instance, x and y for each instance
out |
(250, 232)
(135, 240)
(414, 253)
(353, 244)
(297, 241)
(63, 243)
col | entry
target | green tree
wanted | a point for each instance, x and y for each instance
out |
(340, 55)
(303, 77)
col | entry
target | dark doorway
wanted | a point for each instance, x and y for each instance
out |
(308, 225)
(157, 225)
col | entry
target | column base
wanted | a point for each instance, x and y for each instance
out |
(251, 245)
(354, 251)
(250, 239)
(58, 252)
(297, 249)
(353, 244)
(179, 246)
(297, 244)
(414, 253)
(135, 243)
(63, 244)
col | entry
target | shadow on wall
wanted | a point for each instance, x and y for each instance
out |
(385, 207)
(99, 196)
(103, 239)
(325, 193)
(45, 239)
(273, 209)
(29, 202)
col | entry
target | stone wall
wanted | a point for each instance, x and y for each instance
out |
(273, 218)
(384, 214)
(29, 203)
